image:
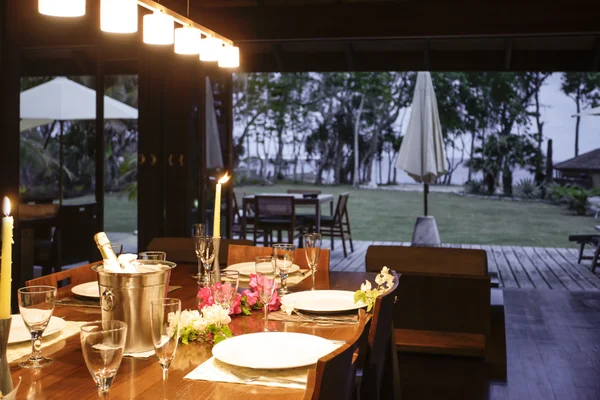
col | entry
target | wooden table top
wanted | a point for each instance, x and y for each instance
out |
(68, 377)
(298, 198)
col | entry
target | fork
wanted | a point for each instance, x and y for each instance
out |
(341, 319)
(251, 378)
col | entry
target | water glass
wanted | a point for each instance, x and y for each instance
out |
(164, 323)
(224, 286)
(103, 344)
(283, 255)
(312, 246)
(205, 251)
(266, 282)
(153, 255)
(36, 305)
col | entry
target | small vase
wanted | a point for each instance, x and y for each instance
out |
(6, 383)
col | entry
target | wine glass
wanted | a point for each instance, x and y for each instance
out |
(198, 230)
(36, 304)
(224, 286)
(312, 246)
(283, 255)
(205, 251)
(153, 255)
(164, 323)
(103, 344)
(266, 282)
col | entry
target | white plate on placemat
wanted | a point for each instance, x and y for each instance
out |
(19, 332)
(247, 268)
(88, 289)
(323, 301)
(272, 350)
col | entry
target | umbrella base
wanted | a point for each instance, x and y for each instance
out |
(426, 232)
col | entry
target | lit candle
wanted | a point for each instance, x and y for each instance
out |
(6, 267)
(217, 218)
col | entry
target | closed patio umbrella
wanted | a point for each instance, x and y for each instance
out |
(214, 157)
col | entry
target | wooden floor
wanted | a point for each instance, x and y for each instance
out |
(514, 266)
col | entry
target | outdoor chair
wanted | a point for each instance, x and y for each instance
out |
(335, 374)
(582, 241)
(336, 225)
(241, 222)
(241, 253)
(276, 213)
(65, 280)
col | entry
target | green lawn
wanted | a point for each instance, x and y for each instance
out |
(390, 216)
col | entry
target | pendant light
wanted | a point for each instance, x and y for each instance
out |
(158, 28)
(229, 57)
(62, 8)
(119, 16)
(187, 38)
(210, 49)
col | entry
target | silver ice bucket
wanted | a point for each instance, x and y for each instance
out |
(126, 297)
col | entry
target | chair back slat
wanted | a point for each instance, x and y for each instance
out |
(65, 280)
(335, 374)
(381, 378)
(340, 207)
(239, 254)
(275, 206)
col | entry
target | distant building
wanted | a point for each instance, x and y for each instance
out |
(583, 170)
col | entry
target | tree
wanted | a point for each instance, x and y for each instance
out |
(584, 89)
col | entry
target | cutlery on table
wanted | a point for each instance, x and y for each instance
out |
(251, 378)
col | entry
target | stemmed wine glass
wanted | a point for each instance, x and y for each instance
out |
(153, 255)
(283, 256)
(103, 344)
(164, 323)
(205, 251)
(36, 304)
(312, 246)
(198, 230)
(266, 283)
(224, 286)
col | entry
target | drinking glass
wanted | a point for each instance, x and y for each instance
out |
(224, 286)
(117, 248)
(205, 251)
(164, 323)
(312, 246)
(199, 230)
(266, 282)
(153, 255)
(36, 304)
(283, 255)
(103, 344)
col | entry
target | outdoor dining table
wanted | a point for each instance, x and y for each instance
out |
(68, 378)
(299, 200)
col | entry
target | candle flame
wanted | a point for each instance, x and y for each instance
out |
(6, 206)
(224, 179)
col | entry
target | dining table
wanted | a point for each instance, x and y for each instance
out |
(316, 201)
(68, 378)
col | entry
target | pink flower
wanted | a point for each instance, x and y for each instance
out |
(205, 298)
(254, 279)
(275, 303)
(251, 297)
(236, 306)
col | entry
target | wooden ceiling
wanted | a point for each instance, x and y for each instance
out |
(360, 35)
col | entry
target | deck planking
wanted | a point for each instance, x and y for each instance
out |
(515, 266)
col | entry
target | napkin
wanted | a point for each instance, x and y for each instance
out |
(141, 354)
(18, 350)
(216, 371)
(12, 395)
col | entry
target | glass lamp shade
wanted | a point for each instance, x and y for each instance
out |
(187, 40)
(158, 28)
(62, 8)
(229, 57)
(210, 49)
(119, 16)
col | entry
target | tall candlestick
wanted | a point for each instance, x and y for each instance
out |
(217, 213)
(6, 266)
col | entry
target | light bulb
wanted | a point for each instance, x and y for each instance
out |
(187, 40)
(119, 16)
(62, 8)
(210, 49)
(158, 28)
(229, 57)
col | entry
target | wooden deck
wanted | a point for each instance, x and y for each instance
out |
(514, 266)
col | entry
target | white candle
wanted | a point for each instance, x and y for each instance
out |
(6, 267)
(217, 213)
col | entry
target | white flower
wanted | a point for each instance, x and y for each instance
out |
(288, 308)
(365, 286)
(385, 271)
(379, 279)
(216, 314)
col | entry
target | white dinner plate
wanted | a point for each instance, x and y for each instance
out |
(247, 268)
(88, 289)
(272, 350)
(19, 332)
(323, 301)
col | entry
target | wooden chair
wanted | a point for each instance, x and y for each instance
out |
(381, 377)
(65, 280)
(582, 241)
(241, 223)
(239, 254)
(336, 225)
(443, 298)
(275, 213)
(183, 250)
(334, 376)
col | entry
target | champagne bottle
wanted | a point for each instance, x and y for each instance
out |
(104, 246)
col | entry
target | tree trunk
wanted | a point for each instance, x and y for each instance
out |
(577, 101)
(549, 166)
(473, 137)
(355, 179)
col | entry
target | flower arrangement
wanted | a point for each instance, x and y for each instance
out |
(368, 295)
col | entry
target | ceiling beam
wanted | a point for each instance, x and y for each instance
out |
(508, 53)
(350, 56)
(276, 49)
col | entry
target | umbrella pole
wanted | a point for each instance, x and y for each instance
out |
(425, 193)
(61, 164)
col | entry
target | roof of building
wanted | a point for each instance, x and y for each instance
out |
(589, 161)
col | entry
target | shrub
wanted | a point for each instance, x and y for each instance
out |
(475, 187)
(575, 197)
(527, 189)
